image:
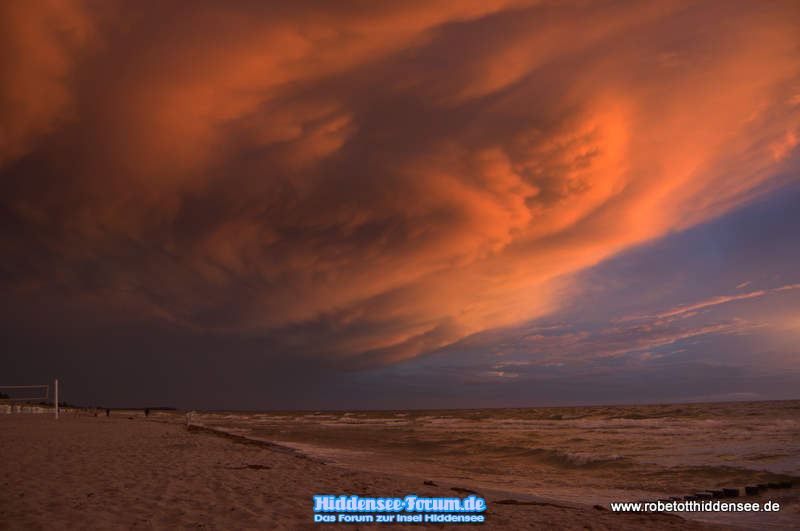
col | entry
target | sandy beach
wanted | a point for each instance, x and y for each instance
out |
(128, 471)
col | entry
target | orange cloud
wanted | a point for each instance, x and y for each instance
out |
(39, 48)
(375, 181)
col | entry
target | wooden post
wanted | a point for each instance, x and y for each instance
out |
(55, 397)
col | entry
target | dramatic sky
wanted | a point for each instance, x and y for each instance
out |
(360, 204)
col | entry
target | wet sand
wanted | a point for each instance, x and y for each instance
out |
(118, 472)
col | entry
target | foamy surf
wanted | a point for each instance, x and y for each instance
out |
(582, 455)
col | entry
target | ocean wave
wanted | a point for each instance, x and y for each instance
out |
(547, 456)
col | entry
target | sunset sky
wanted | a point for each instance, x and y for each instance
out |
(412, 204)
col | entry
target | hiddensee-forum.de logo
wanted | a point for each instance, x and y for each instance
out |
(346, 505)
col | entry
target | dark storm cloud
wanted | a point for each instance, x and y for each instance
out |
(369, 182)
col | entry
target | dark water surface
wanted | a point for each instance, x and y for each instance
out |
(587, 455)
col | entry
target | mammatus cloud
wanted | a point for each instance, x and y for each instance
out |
(372, 181)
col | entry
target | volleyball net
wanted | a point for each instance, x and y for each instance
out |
(35, 398)
(25, 393)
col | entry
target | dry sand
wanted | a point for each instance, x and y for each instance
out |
(120, 472)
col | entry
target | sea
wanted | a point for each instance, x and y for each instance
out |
(585, 456)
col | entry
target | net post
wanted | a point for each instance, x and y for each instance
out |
(55, 396)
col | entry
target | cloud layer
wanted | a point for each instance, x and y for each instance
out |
(371, 181)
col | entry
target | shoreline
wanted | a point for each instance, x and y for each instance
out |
(132, 472)
(503, 497)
